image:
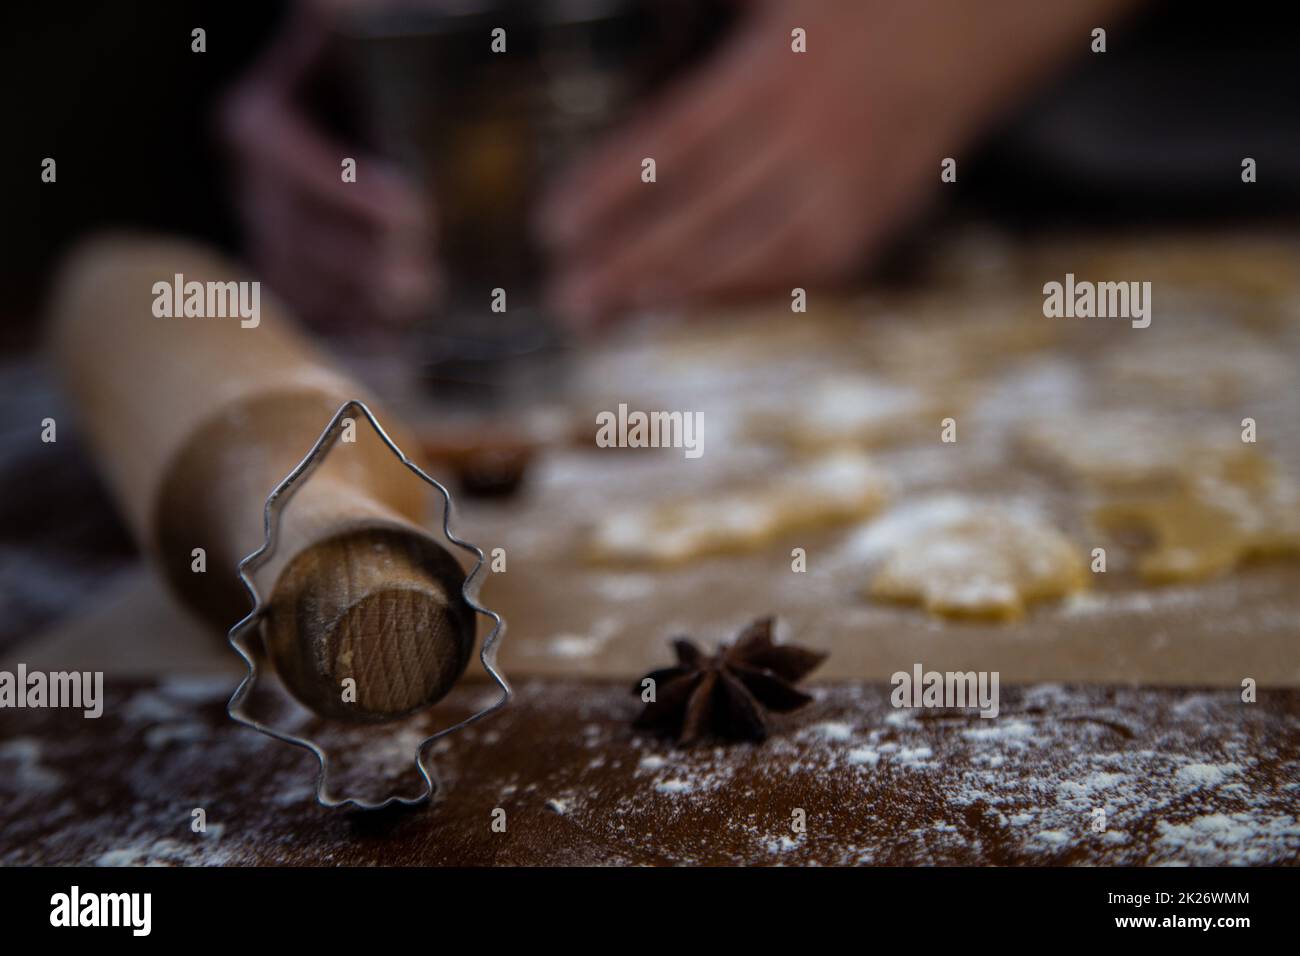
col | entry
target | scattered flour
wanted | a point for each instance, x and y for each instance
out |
(832, 730)
(197, 689)
(22, 755)
(914, 755)
(864, 755)
(163, 735)
(781, 844)
(1205, 775)
(1233, 839)
(575, 646)
(624, 587)
(675, 785)
(150, 707)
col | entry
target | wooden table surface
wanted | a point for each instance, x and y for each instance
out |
(1183, 777)
(1143, 724)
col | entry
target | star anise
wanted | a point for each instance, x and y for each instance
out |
(729, 693)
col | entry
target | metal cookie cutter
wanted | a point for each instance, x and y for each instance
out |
(239, 635)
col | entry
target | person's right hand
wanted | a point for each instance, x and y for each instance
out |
(342, 255)
(779, 170)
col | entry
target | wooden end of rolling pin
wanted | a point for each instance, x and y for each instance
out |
(194, 420)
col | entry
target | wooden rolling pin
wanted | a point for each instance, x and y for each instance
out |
(195, 419)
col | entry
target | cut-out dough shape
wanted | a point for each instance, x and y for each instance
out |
(850, 410)
(983, 562)
(1213, 524)
(1127, 449)
(838, 488)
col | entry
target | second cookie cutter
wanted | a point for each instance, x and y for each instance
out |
(239, 634)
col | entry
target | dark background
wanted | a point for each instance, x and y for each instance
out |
(112, 91)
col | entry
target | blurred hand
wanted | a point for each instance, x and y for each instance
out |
(778, 169)
(343, 255)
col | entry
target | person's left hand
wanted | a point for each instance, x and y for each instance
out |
(346, 256)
